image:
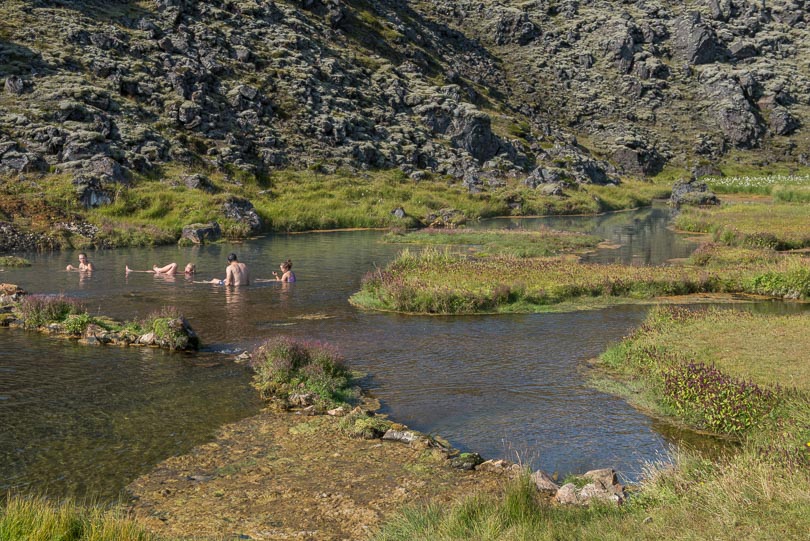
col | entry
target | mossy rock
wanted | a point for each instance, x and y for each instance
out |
(362, 425)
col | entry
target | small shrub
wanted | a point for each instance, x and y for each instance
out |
(39, 310)
(76, 323)
(284, 366)
(717, 401)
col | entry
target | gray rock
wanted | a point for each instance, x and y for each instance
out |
(14, 84)
(567, 494)
(696, 42)
(692, 192)
(198, 182)
(781, 122)
(91, 191)
(202, 233)
(544, 483)
(471, 131)
(405, 436)
(542, 175)
(503, 467)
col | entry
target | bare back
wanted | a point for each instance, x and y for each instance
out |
(236, 274)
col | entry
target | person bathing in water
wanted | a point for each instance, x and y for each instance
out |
(236, 274)
(84, 264)
(287, 275)
(168, 270)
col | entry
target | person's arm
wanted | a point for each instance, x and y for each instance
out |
(229, 276)
(90, 267)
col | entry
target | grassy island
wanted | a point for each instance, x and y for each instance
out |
(67, 317)
(442, 282)
(514, 243)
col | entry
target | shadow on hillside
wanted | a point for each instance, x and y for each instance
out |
(436, 50)
(16, 59)
(102, 10)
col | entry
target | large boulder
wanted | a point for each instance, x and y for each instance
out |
(781, 122)
(692, 192)
(91, 191)
(201, 233)
(696, 42)
(471, 130)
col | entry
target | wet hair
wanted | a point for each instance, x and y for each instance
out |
(191, 268)
(287, 265)
(232, 257)
(82, 254)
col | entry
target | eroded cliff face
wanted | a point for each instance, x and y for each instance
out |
(586, 90)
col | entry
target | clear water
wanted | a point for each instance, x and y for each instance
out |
(85, 421)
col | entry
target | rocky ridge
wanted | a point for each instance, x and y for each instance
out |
(542, 91)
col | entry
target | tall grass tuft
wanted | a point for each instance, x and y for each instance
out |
(39, 310)
(38, 519)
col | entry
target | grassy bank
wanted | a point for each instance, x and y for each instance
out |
(153, 210)
(755, 224)
(12, 261)
(514, 243)
(38, 519)
(762, 491)
(442, 282)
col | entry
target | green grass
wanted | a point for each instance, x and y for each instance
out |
(70, 317)
(39, 519)
(515, 243)
(753, 224)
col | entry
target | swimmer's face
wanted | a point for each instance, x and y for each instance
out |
(190, 269)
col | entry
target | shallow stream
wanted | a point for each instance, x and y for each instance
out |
(85, 421)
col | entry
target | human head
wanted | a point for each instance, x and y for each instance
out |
(191, 268)
(232, 258)
(82, 255)
(287, 265)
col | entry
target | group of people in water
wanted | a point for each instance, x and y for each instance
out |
(236, 273)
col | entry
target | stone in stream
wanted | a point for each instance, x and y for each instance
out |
(202, 233)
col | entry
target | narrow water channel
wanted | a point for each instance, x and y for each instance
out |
(85, 421)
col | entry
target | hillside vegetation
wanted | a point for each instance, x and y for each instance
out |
(146, 105)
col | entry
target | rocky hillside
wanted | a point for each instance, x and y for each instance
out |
(539, 91)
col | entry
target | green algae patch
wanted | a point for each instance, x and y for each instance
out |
(508, 242)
